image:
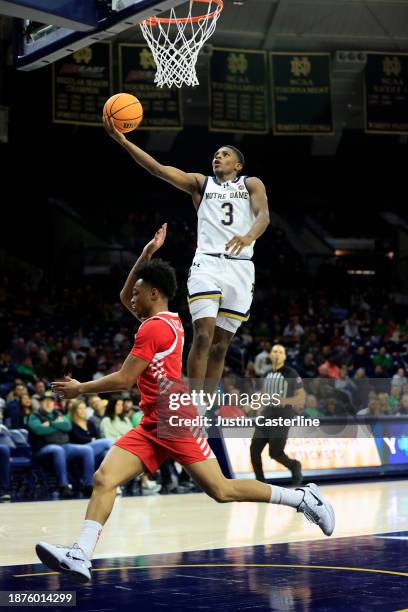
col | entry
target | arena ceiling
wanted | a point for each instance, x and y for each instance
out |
(326, 25)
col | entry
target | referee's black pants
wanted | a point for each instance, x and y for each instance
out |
(277, 445)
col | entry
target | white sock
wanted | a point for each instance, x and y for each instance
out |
(286, 497)
(89, 536)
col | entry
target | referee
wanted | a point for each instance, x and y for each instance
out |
(287, 383)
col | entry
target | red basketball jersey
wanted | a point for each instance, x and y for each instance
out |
(159, 340)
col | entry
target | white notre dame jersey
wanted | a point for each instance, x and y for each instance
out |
(225, 211)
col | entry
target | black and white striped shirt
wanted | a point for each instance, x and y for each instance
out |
(284, 382)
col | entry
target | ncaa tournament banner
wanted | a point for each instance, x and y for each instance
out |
(162, 108)
(237, 91)
(81, 84)
(301, 93)
(386, 93)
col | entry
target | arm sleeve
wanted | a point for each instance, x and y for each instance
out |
(34, 424)
(64, 425)
(295, 383)
(153, 337)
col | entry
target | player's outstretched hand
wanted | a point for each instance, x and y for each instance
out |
(237, 243)
(112, 131)
(68, 388)
(158, 240)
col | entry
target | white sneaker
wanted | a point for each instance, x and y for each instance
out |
(316, 509)
(69, 559)
(151, 486)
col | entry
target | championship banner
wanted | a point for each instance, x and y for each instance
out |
(237, 90)
(162, 108)
(81, 84)
(301, 93)
(386, 93)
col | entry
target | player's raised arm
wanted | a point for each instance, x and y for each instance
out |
(259, 202)
(147, 253)
(190, 182)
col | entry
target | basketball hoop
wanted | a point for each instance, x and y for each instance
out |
(175, 42)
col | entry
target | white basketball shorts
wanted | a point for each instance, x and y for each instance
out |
(222, 289)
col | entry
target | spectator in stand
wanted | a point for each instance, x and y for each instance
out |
(329, 368)
(26, 371)
(362, 386)
(19, 350)
(383, 401)
(98, 407)
(102, 369)
(17, 391)
(345, 384)
(8, 371)
(84, 431)
(337, 338)
(78, 370)
(379, 330)
(361, 360)
(399, 379)
(43, 369)
(308, 367)
(39, 393)
(383, 359)
(49, 439)
(18, 417)
(90, 364)
(403, 407)
(394, 399)
(4, 471)
(380, 381)
(365, 326)
(373, 409)
(263, 363)
(115, 423)
(311, 409)
(293, 331)
(350, 327)
(262, 330)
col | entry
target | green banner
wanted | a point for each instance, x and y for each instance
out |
(162, 108)
(301, 93)
(237, 89)
(386, 93)
(81, 84)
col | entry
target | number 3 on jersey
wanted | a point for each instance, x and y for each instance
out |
(229, 213)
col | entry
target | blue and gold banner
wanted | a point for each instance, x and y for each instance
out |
(386, 93)
(162, 108)
(301, 93)
(237, 91)
(81, 84)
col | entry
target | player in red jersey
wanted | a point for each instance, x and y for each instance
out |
(155, 362)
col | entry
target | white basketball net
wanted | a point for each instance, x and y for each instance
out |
(176, 42)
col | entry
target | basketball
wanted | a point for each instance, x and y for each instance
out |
(125, 110)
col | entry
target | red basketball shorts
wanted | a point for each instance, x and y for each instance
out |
(153, 451)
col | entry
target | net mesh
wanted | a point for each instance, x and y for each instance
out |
(176, 42)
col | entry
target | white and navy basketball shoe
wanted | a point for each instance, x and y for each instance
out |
(316, 509)
(68, 559)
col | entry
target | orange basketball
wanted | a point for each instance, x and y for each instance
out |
(125, 110)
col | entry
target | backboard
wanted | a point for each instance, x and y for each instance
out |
(47, 30)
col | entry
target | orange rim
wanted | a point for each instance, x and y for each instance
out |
(155, 20)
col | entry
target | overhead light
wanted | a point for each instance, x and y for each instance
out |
(361, 272)
(238, 3)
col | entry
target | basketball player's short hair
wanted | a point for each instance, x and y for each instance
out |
(160, 275)
(237, 152)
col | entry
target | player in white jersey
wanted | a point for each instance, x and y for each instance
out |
(232, 213)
